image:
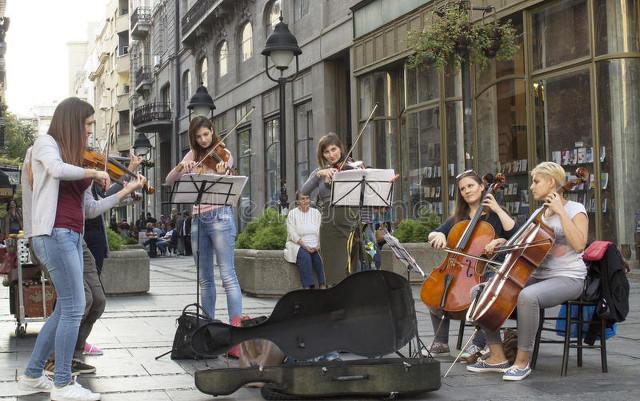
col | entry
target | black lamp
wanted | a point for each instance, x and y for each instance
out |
(201, 103)
(141, 146)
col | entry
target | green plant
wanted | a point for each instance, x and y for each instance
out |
(452, 37)
(266, 231)
(417, 230)
(115, 240)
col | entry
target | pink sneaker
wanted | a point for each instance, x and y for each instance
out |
(90, 349)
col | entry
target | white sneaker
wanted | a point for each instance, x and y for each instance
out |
(41, 384)
(73, 392)
(470, 350)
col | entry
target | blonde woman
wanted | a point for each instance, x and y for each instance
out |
(558, 279)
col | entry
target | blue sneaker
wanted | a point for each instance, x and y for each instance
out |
(515, 374)
(482, 366)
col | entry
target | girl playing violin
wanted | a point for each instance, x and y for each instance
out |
(558, 279)
(468, 200)
(216, 223)
(336, 225)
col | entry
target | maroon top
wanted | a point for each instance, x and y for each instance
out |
(69, 213)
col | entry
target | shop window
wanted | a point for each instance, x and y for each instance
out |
(617, 25)
(223, 59)
(272, 161)
(421, 170)
(305, 152)
(499, 69)
(564, 132)
(455, 163)
(502, 143)
(244, 168)
(246, 42)
(560, 33)
(422, 84)
(619, 128)
(273, 16)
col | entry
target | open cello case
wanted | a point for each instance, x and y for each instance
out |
(370, 314)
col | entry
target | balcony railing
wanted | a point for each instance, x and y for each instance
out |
(143, 75)
(196, 13)
(152, 112)
(140, 21)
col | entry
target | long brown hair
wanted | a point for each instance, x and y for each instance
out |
(194, 126)
(330, 139)
(67, 128)
(462, 208)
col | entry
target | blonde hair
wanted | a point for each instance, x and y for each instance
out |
(552, 170)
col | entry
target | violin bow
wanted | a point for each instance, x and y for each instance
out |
(375, 106)
(213, 149)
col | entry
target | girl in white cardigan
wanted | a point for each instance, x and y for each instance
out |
(303, 242)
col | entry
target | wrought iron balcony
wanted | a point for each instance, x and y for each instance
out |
(152, 117)
(140, 23)
(144, 79)
(196, 16)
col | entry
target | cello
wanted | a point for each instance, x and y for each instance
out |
(527, 248)
(448, 286)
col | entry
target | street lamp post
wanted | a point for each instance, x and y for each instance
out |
(281, 47)
(141, 147)
(201, 103)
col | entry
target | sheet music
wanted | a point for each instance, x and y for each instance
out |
(218, 189)
(346, 187)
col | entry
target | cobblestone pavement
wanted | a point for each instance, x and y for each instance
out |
(134, 329)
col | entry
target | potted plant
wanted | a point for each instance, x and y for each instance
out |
(126, 270)
(259, 257)
(452, 37)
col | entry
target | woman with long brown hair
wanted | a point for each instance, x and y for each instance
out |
(470, 194)
(216, 225)
(56, 224)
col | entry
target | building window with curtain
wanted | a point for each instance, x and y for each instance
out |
(203, 73)
(273, 16)
(301, 8)
(272, 161)
(246, 42)
(304, 142)
(186, 87)
(223, 58)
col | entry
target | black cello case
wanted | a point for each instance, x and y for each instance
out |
(370, 313)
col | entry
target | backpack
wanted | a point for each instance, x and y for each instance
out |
(606, 282)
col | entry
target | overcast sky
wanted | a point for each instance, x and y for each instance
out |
(36, 58)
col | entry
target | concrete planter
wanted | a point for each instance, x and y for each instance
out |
(126, 271)
(426, 257)
(267, 274)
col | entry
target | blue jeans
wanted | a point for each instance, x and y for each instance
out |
(307, 264)
(61, 254)
(213, 237)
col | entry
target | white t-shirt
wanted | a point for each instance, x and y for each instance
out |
(562, 260)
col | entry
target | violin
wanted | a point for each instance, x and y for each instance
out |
(527, 248)
(218, 155)
(449, 285)
(116, 170)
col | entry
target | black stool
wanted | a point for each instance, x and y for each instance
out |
(568, 342)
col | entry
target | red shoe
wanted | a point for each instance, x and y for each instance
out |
(234, 352)
(91, 349)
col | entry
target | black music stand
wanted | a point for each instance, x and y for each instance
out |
(205, 189)
(362, 188)
(410, 263)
